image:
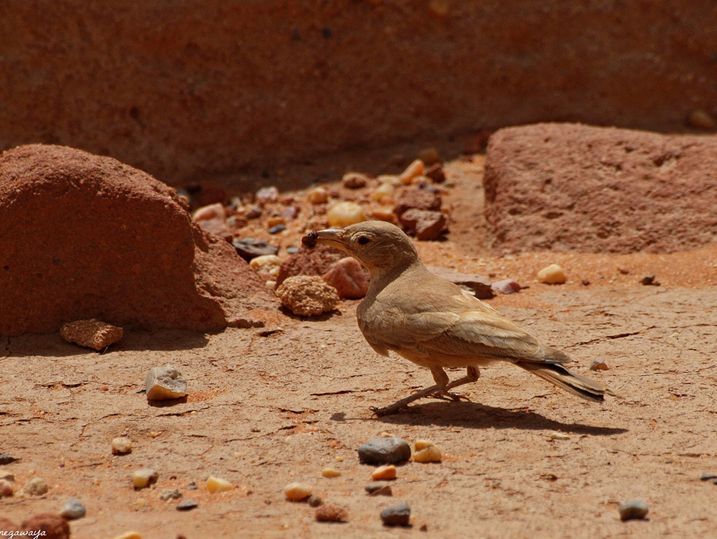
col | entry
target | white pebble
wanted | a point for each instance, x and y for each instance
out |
(344, 214)
(121, 446)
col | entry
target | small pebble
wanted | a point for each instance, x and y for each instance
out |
(649, 280)
(6, 459)
(432, 453)
(6, 488)
(552, 274)
(384, 450)
(330, 472)
(217, 484)
(129, 535)
(422, 444)
(598, 365)
(192, 486)
(187, 505)
(273, 221)
(506, 286)
(121, 446)
(354, 180)
(266, 264)
(417, 168)
(92, 333)
(378, 489)
(249, 248)
(314, 501)
(383, 191)
(73, 509)
(165, 383)
(276, 229)
(35, 487)
(633, 510)
(383, 214)
(267, 194)
(254, 212)
(297, 492)
(170, 494)
(384, 473)
(144, 477)
(397, 515)
(318, 195)
(585, 282)
(344, 214)
(331, 513)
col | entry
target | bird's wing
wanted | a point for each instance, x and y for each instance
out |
(456, 325)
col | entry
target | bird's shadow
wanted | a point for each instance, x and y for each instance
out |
(472, 415)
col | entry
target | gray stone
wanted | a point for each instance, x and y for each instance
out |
(165, 383)
(249, 248)
(384, 450)
(73, 509)
(187, 505)
(170, 494)
(633, 510)
(397, 515)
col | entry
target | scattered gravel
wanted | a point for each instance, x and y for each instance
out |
(633, 510)
(384, 450)
(397, 515)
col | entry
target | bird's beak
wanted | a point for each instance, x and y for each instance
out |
(332, 237)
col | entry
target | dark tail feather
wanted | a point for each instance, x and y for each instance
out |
(557, 374)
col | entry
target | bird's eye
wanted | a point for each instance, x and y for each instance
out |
(362, 240)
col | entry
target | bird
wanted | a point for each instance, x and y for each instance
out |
(435, 323)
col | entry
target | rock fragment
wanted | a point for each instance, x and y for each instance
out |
(318, 195)
(6, 488)
(383, 193)
(598, 365)
(349, 278)
(297, 492)
(331, 513)
(266, 195)
(267, 265)
(314, 501)
(314, 261)
(378, 489)
(708, 476)
(633, 510)
(330, 473)
(435, 173)
(386, 472)
(212, 219)
(649, 280)
(73, 509)
(552, 274)
(170, 494)
(384, 450)
(344, 214)
(426, 225)
(307, 295)
(165, 383)
(397, 515)
(217, 484)
(354, 180)
(7, 459)
(417, 199)
(187, 505)
(35, 487)
(506, 286)
(91, 333)
(416, 168)
(143, 478)
(431, 453)
(121, 445)
(249, 248)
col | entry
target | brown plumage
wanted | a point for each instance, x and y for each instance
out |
(435, 323)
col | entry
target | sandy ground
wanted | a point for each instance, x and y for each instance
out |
(523, 459)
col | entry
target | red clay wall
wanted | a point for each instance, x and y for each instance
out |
(191, 90)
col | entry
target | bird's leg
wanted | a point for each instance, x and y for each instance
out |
(472, 374)
(441, 379)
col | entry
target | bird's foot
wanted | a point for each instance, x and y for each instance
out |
(450, 396)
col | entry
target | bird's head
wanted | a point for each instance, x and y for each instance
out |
(378, 245)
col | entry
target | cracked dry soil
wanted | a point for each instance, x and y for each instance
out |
(523, 459)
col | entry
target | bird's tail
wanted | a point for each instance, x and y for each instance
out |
(557, 374)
